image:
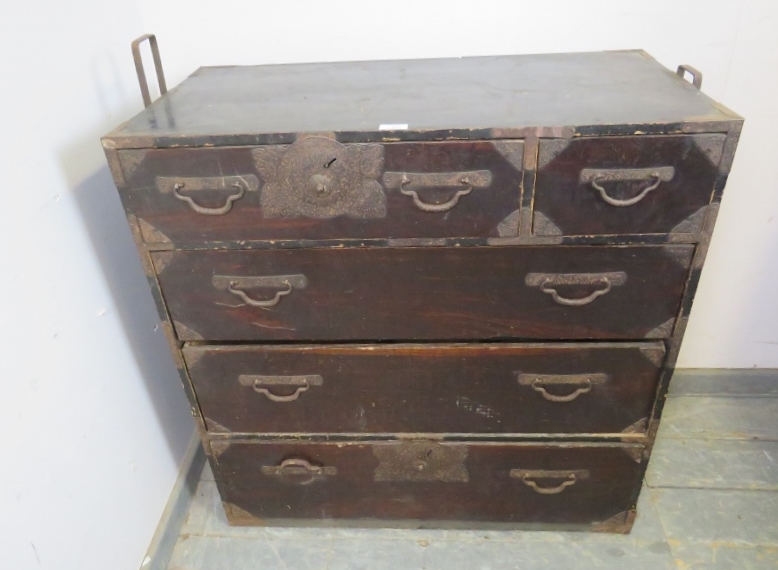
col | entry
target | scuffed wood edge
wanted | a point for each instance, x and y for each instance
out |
(167, 323)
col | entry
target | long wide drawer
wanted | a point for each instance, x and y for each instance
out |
(460, 388)
(425, 293)
(318, 188)
(582, 485)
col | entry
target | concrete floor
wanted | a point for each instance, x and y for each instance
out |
(710, 501)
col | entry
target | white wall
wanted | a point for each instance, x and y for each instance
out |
(94, 420)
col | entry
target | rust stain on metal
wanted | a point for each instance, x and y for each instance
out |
(130, 160)
(654, 354)
(730, 145)
(543, 226)
(712, 145)
(549, 150)
(512, 151)
(618, 524)
(682, 255)
(707, 233)
(238, 516)
(693, 224)
(215, 427)
(173, 343)
(638, 427)
(185, 333)
(161, 260)
(665, 330)
(219, 446)
(151, 234)
(509, 227)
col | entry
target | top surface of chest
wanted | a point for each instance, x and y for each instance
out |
(273, 103)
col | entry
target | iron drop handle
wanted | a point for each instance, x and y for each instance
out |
(582, 382)
(547, 283)
(237, 186)
(528, 476)
(263, 384)
(236, 285)
(595, 176)
(466, 181)
(294, 468)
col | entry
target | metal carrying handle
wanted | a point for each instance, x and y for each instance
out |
(445, 206)
(528, 476)
(547, 288)
(539, 381)
(474, 179)
(298, 467)
(301, 384)
(144, 85)
(257, 303)
(210, 211)
(695, 73)
(235, 286)
(594, 176)
(547, 281)
(537, 385)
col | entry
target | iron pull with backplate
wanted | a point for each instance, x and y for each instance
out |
(236, 285)
(465, 180)
(528, 476)
(291, 468)
(595, 176)
(210, 211)
(237, 186)
(584, 383)
(262, 385)
(547, 282)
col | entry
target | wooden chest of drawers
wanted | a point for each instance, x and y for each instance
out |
(428, 293)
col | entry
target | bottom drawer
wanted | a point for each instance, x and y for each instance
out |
(427, 483)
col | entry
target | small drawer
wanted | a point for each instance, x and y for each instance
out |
(319, 189)
(625, 185)
(368, 294)
(453, 388)
(591, 486)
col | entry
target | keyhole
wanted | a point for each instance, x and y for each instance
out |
(328, 164)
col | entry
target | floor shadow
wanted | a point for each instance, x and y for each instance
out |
(104, 219)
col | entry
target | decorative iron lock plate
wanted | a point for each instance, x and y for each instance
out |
(317, 177)
(421, 461)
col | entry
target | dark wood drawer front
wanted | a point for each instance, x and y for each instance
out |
(317, 188)
(467, 388)
(625, 185)
(425, 481)
(424, 293)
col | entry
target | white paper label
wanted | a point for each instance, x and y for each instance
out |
(393, 127)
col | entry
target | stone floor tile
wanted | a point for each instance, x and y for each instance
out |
(738, 517)
(718, 556)
(230, 553)
(372, 554)
(579, 554)
(729, 383)
(711, 464)
(720, 418)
